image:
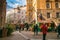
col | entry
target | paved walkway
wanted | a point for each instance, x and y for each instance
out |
(28, 35)
(15, 36)
(50, 36)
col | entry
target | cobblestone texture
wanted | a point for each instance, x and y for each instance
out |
(28, 35)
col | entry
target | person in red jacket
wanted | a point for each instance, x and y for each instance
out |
(44, 31)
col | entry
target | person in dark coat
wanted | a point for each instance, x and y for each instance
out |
(19, 28)
(58, 30)
(35, 29)
(27, 26)
(22, 26)
(44, 31)
(53, 26)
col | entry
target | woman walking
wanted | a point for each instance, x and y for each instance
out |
(44, 31)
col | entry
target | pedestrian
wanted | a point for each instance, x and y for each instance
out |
(44, 31)
(35, 29)
(52, 26)
(16, 27)
(27, 26)
(22, 27)
(58, 30)
(19, 28)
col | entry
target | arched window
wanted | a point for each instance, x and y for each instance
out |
(48, 5)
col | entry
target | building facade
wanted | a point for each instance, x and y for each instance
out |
(47, 10)
(2, 12)
(16, 15)
(50, 10)
(31, 10)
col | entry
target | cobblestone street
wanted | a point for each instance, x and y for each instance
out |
(30, 35)
(26, 35)
(21, 19)
(14, 36)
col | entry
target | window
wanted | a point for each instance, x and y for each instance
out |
(47, 0)
(48, 15)
(56, 0)
(57, 5)
(48, 5)
(57, 15)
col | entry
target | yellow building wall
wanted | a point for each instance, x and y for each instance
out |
(40, 7)
(41, 4)
(53, 4)
(38, 4)
(29, 10)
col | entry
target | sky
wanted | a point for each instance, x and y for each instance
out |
(14, 3)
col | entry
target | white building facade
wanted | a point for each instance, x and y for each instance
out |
(13, 16)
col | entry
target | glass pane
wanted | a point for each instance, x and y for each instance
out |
(48, 5)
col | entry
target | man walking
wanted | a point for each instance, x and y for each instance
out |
(35, 29)
(58, 30)
(19, 28)
(27, 26)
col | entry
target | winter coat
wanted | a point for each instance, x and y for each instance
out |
(44, 29)
(22, 25)
(27, 25)
(58, 29)
(35, 28)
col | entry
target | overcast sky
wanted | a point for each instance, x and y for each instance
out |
(14, 3)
